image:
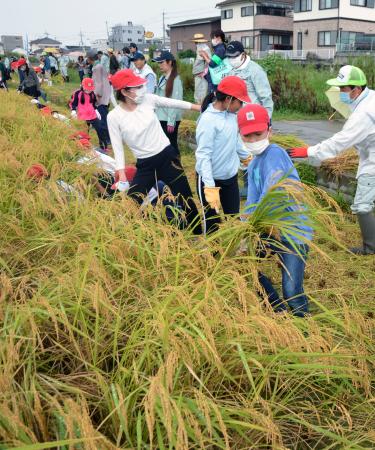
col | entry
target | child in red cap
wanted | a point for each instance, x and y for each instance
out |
(219, 151)
(83, 105)
(270, 164)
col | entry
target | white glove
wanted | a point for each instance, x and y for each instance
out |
(98, 115)
(123, 186)
(73, 114)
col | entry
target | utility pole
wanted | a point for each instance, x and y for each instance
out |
(106, 24)
(163, 30)
(27, 45)
(81, 42)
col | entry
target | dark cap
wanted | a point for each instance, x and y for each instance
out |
(132, 45)
(234, 49)
(138, 55)
(164, 56)
(91, 54)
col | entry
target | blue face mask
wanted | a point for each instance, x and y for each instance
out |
(345, 98)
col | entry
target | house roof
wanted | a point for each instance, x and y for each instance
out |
(264, 2)
(187, 23)
(46, 40)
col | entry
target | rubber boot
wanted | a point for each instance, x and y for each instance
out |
(367, 226)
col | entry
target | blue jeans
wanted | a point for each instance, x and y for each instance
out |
(292, 271)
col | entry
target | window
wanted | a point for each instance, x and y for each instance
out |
(327, 38)
(130, 31)
(227, 14)
(270, 11)
(180, 46)
(302, 5)
(247, 11)
(129, 39)
(272, 39)
(328, 4)
(247, 42)
(348, 37)
(364, 3)
(139, 40)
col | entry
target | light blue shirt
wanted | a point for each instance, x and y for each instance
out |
(258, 86)
(264, 171)
(220, 146)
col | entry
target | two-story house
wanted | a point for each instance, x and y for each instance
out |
(331, 24)
(259, 25)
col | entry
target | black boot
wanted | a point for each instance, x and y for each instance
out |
(367, 226)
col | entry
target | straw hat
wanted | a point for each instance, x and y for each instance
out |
(199, 38)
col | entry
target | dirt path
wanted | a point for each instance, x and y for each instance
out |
(310, 131)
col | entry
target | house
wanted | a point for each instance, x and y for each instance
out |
(259, 25)
(100, 44)
(11, 42)
(123, 35)
(181, 33)
(39, 45)
(333, 24)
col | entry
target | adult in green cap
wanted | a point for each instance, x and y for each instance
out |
(358, 132)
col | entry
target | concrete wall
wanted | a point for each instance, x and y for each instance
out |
(11, 42)
(310, 40)
(237, 23)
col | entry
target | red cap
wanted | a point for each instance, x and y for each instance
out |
(235, 87)
(79, 135)
(84, 143)
(124, 79)
(46, 111)
(37, 172)
(130, 172)
(21, 62)
(88, 84)
(37, 69)
(253, 118)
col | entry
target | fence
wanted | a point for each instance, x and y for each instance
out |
(320, 53)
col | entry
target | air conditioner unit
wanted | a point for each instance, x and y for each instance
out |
(306, 32)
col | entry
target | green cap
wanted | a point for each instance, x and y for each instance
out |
(349, 76)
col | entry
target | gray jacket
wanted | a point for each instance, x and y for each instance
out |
(101, 83)
(30, 80)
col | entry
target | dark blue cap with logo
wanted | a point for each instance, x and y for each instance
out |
(164, 56)
(234, 49)
(138, 55)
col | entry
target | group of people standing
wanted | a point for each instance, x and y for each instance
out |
(233, 130)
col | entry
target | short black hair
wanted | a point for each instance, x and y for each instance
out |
(120, 96)
(133, 45)
(218, 33)
(100, 52)
(126, 50)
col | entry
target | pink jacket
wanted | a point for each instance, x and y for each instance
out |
(85, 110)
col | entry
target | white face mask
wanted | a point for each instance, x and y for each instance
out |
(236, 62)
(214, 42)
(140, 95)
(257, 148)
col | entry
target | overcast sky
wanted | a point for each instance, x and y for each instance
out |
(64, 19)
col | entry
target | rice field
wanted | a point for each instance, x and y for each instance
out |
(121, 332)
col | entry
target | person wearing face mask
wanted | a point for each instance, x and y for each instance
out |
(219, 49)
(270, 164)
(219, 150)
(170, 86)
(135, 123)
(358, 132)
(30, 82)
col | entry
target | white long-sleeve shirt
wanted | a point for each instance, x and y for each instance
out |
(140, 129)
(358, 131)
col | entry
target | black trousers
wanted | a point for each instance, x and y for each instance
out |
(173, 137)
(101, 131)
(32, 91)
(229, 198)
(166, 166)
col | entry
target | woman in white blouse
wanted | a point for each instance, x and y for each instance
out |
(135, 123)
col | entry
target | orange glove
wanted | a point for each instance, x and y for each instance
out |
(297, 152)
(212, 195)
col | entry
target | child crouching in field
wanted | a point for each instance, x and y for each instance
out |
(83, 106)
(270, 164)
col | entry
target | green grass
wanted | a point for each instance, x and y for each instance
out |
(119, 331)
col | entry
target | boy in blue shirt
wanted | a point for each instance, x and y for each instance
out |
(270, 164)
